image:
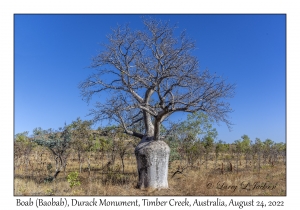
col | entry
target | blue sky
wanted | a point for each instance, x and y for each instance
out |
(52, 54)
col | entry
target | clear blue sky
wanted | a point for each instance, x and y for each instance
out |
(52, 54)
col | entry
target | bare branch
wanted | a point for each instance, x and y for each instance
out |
(153, 73)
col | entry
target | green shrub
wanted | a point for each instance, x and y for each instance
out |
(73, 179)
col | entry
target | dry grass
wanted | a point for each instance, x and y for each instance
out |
(192, 181)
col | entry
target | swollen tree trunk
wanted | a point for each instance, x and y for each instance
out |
(152, 162)
(152, 157)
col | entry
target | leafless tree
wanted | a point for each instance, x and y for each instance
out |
(150, 75)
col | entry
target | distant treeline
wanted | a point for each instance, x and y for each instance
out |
(192, 142)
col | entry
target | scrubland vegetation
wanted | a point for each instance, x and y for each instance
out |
(76, 160)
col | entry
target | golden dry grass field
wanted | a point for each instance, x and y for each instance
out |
(29, 178)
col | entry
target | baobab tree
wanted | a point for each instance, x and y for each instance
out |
(151, 74)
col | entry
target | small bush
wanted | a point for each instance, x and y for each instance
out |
(73, 179)
(48, 179)
(49, 192)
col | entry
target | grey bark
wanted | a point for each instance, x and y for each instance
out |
(152, 164)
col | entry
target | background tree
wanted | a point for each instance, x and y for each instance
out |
(102, 145)
(280, 150)
(220, 148)
(267, 148)
(208, 143)
(111, 147)
(123, 144)
(238, 150)
(150, 75)
(189, 133)
(58, 142)
(257, 149)
(242, 146)
(82, 139)
(246, 147)
(23, 147)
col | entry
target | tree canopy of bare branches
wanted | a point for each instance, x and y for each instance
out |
(150, 75)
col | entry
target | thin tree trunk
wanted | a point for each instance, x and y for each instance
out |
(200, 161)
(123, 166)
(89, 164)
(206, 160)
(64, 165)
(102, 157)
(259, 162)
(237, 163)
(56, 173)
(216, 161)
(79, 160)
(80, 166)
